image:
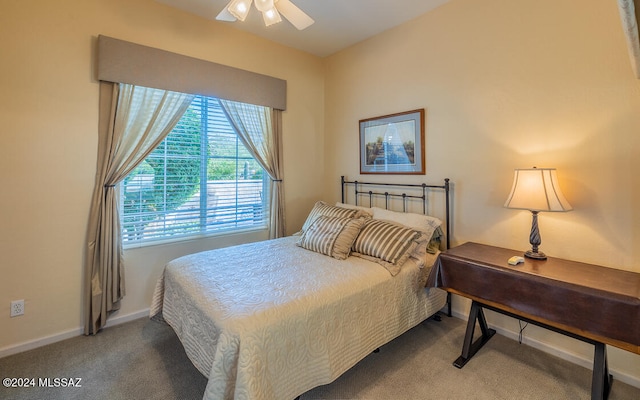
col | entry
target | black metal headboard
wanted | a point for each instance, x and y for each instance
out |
(374, 189)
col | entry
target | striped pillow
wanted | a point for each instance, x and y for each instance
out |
(424, 223)
(389, 243)
(331, 236)
(322, 208)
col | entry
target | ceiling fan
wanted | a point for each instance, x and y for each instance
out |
(271, 11)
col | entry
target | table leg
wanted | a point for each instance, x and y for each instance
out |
(469, 347)
(601, 380)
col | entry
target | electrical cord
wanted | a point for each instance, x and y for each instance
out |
(521, 329)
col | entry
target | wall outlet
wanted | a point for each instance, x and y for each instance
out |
(17, 308)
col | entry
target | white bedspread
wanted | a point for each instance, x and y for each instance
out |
(270, 320)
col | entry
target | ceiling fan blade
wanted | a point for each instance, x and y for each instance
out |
(225, 15)
(296, 16)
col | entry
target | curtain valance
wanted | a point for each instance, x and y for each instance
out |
(126, 62)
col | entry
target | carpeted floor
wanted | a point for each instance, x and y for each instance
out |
(144, 360)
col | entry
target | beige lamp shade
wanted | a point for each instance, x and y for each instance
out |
(537, 189)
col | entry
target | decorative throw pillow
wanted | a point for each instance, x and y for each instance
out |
(365, 210)
(386, 243)
(424, 223)
(428, 225)
(322, 208)
(331, 236)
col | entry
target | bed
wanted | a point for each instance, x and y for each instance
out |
(274, 319)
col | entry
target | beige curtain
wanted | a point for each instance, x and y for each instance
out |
(133, 121)
(629, 14)
(260, 129)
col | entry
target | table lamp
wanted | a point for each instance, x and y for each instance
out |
(536, 189)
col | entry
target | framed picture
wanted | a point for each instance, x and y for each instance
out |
(393, 144)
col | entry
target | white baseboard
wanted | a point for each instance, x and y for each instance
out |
(560, 352)
(117, 320)
(34, 344)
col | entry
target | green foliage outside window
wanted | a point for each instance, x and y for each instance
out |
(225, 169)
(182, 172)
(161, 195)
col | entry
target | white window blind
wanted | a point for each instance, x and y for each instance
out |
(200, 180)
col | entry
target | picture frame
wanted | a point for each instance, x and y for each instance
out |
(393, 144)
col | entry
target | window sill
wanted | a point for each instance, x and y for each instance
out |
(232, 236)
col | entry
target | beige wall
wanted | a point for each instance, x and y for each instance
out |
(509, 84)
(48, 144)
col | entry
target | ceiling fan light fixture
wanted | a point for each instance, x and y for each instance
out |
(271, 16)
(264, 5)
(272, 10)
(239, 8)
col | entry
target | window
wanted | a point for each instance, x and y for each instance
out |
(200, 180)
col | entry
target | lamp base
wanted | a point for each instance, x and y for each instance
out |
(536, 255)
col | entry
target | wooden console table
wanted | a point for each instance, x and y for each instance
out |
(591, 303)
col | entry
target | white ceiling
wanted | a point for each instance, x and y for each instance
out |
(338, 23)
